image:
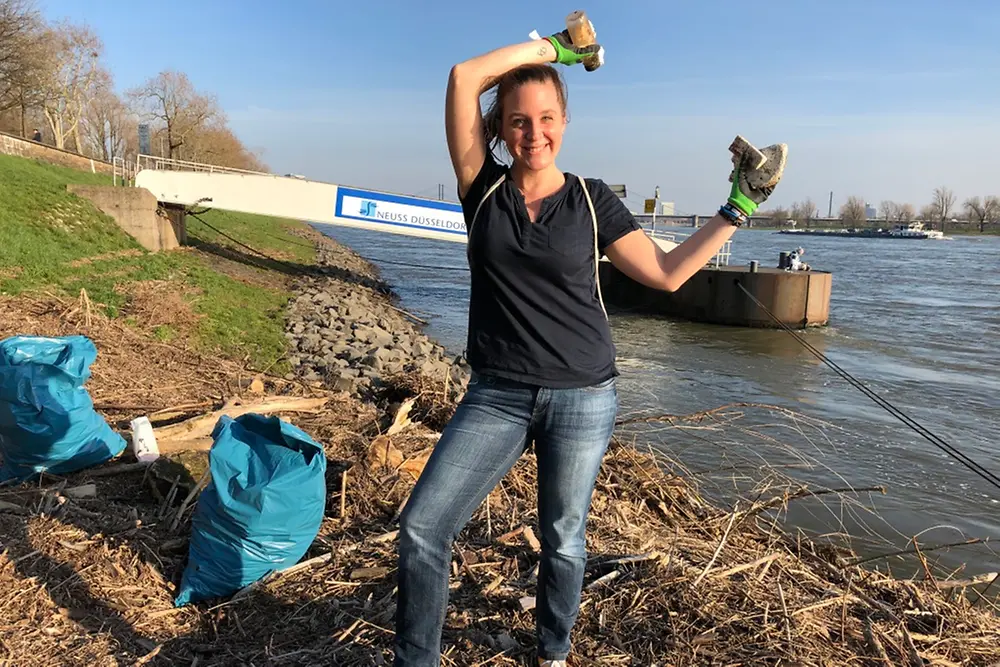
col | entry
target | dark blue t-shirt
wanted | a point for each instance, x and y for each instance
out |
(534, 312)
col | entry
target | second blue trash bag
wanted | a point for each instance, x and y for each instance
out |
(47, 418)
(261, 510)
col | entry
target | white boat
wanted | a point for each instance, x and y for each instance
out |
(915, 230)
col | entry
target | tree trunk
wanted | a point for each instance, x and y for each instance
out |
(55, 127)
(76, 139)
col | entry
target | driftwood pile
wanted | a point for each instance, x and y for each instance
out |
(90, 563)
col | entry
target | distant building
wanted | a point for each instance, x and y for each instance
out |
(666, 208)
(870, 211)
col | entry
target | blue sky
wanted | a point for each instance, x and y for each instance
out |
(882, 99)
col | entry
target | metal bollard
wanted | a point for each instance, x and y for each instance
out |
(753, 266)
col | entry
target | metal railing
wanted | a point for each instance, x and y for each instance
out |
(124, 171)
(173, 164)
(721, 258)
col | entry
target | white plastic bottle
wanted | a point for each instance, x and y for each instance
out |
(144, 441)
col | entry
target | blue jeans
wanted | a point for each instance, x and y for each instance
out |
(491, 428)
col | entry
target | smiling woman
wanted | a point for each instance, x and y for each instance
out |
(539, 343)
(532, 130)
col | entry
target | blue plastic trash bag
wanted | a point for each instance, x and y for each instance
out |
(261, 510)
(47, 418)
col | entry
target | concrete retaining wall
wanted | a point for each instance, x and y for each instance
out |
(135, 211)
(14, 145)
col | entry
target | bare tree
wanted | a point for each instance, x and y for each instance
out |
(906, 212)
(890, 210)
(21, 51)
(804, 211)
(778, 215)
(942, 203)
(928, 213)
(218, 145)
(17, 20)
(171, 99)
(853, 211)
(107, 122)
(983, 211)
(70, 73)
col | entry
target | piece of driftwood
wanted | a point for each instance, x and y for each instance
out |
(529, 537)
(196, 433)
(369, 573)
(119, 470)
(82, 491)
(986, 578)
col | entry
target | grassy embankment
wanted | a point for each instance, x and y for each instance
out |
(53, 241)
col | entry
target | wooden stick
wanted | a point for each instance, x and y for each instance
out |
(903, 552)
(912, 655)
(489, 525)
(197, 432)
(407, 314)
(746, 566)
(343, 495)
(788, 619)
(874, 642)
(807, 493)
(923, 562)
(825, 603)
(987, 578)
(202, 483)
(718, 550)
(119, 470)
(610, 576)
(386, 537)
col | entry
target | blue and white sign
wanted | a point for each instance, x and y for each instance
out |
(396, 213)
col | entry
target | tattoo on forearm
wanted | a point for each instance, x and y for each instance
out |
(542, 50)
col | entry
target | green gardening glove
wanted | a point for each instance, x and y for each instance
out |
(751, 185)
(567, 54)
(743, 196)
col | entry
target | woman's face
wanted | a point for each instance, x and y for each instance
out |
(533, 124)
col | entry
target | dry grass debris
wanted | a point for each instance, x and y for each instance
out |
(675, 578)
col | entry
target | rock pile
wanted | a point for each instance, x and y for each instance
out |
(344, 331)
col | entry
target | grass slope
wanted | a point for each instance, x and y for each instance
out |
(51, 240)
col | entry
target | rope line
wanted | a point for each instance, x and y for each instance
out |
(935, 440)
(417, 266)
(293, 268)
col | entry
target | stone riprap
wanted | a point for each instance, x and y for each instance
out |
(344, 331)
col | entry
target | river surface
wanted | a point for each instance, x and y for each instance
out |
(918, 322)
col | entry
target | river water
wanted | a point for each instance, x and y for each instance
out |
(918, 322)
